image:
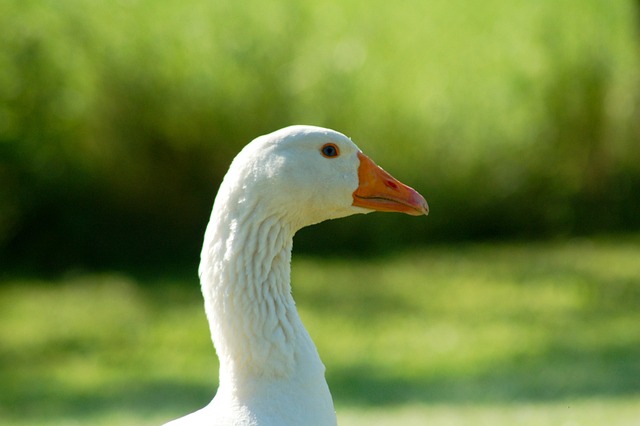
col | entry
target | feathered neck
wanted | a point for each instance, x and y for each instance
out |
(245, 276)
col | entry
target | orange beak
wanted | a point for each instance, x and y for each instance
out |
(378, 190)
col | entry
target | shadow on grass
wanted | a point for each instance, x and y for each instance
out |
(559, 374)
(51, 400)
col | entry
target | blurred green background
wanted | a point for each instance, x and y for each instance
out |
(519, 121)
(118, 119)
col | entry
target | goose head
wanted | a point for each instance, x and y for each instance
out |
(270, 370)
(307, 174)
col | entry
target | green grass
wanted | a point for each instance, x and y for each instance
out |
(488, 334)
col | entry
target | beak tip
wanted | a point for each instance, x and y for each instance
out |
(423, 206)
(425, 209)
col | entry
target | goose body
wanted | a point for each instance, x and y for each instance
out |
(270, 371)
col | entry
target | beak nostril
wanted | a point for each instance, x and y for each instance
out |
(391, 184)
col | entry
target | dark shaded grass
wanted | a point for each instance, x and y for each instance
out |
(86, 346)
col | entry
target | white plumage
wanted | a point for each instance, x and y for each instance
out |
(270, 370)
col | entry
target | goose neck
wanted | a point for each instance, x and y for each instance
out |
(245, 275)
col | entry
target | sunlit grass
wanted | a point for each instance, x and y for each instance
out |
(527, 334)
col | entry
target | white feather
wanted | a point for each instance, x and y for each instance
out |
(270, 371)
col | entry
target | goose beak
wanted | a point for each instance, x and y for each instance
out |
(378, 190)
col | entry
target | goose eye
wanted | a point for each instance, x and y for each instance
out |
(330, 150)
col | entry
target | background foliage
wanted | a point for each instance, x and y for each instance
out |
(516, 119)
(118, 119)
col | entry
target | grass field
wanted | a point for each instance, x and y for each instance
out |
(485, 334)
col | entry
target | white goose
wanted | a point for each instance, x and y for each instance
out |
(270, 371)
